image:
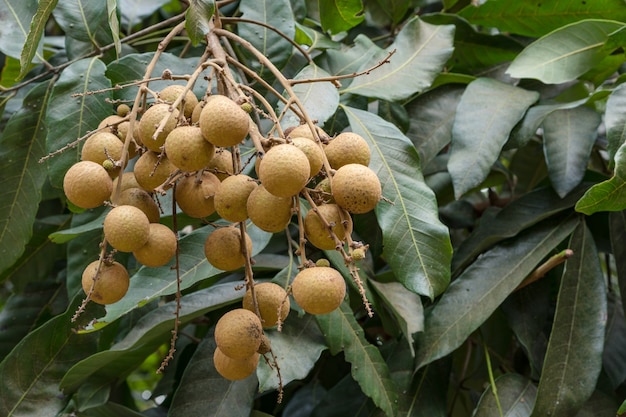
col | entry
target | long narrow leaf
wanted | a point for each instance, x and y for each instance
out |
(32, 45)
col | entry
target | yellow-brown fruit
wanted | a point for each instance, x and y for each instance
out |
(223, 250)
(160, 247)
(270, 297)
(356, 188)
(317, 234)
(102, 146)
(170, 93)
(303, 131)
(235, 369)
(223, 122)
(231, 197)
(265, 346)
(187, 150)
(268, 212)
(195, 115)
(196, 198)
(238, 333)
(347, 148)
(87, 184)
(126, 228)
(123, 109)
(358, 254)
(147, 175)
(222, 164)
(323, 191)
(318, 290)
(111, 122)
(111, 285)
(284, 170)
(140, 198)
(313, 153)
(128, 181)
(151, 120)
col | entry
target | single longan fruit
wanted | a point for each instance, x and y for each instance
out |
(160, 247)
(150, 122)
(140, 198)
(318, 290)
(170, 93)
(313, 153)
(223, 122)
(304, 131)
(100, 146)
(231, 197)
(238, 333)
(223, 250)
(147, 175)
(235, 369)
(356, 188)
(196, 197)
(126, 228)
(268, 212)
(128, 181)
(87, 184)
(112, 123)
(347, 148)
(110, 286)
(123, 110)
(284, 170)
(222, 164)
(195, 115)
(187, 150)
(270, 297)
(318, 235)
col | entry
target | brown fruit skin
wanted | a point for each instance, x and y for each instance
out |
(126, 228)
(197, 199)
(303, 131)
(313, 153)
(170, 93)
(347, 148)
(187, 150)
(147, 176)
(238, 333)
(268, 212)
(234, 369)
(223, 122)
(270, 297)
(151, 120)
(128, 181)
(140, 198)
(284, 170)
(315, 231)
(318, 290)
(87, 184)
(356, 188)
(222, 248)
(95, 146)
(112, 283)
(222, 164)
(231, 197)
(160, 247)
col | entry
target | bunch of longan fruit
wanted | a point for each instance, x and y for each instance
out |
(194, 149)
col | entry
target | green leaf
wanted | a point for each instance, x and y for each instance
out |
(485, 116)
(320, 100)
(85, 21)
(112, 409)
(516, 397)
(197, 19)
(312, 38)
(421, 51)
(71, 117)
(471, 299)
(204, 392)
(21, 147)
(32, 371)
(417, 245)
(65, 235)
(613, 354)
(568, 136)
(134, 11)
(609, 195)
(574, 357)
(566, 53)
(535, 19)
(151, 331)
(297, 348)
(343, 334)
(615, 121)
(32, 44)
(17, 16)
(388, 11)
(617, 228)
(350, 60)
(340, 15)
(114, 26)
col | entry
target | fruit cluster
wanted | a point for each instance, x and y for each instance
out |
(194, 148)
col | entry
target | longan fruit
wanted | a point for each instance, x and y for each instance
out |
(126, 228)
(267, 211)
(147, 175)
(313, 153)
(270, 297)
(318, 290)
(347, 148)
(141, 199)
(128, 181)
(231, 197)
(111, 285)
(238, 333)
(318, 235)
(101, 146)
(223, 250)
(303, 131)
(170, 93)
(150, 121)
(160, 247)
(284, 170)
(235, 369)
(87, 184)
(223, 122)
(195, 197)
(187, 150)
(356, 188)
(222, 164)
